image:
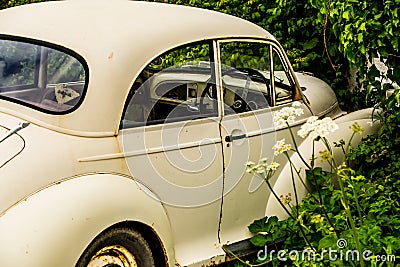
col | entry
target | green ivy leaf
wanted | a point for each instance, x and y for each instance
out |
(310, 44)
(265, 224)
(258, 225)
(362, 27)
(346, 15)
(328, 241)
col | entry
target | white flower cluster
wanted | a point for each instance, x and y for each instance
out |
(262, 167)
(281, 147)
(287, 115)
(315, 128)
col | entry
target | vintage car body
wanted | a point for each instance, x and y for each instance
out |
(82, 161)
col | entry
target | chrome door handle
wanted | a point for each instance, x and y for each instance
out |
(231, 138)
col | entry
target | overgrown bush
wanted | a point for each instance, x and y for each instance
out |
(337, 40)
(377, 158)
(331, 39)
(295, 25)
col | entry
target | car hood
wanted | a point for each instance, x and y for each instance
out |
(322, 98)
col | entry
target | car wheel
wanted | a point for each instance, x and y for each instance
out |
(120, 247)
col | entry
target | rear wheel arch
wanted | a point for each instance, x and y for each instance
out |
(73, 213)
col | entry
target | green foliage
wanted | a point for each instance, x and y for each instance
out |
(188, 55)
(362, 31)
(376, 221)
(272, 228)
(245, 55)
(346, 210)
(327, 38)
(295, 25)
(377, 157)
(373, 206)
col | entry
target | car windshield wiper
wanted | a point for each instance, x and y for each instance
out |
(19, 127)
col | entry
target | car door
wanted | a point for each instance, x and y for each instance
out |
(172, 142)
(256, 82)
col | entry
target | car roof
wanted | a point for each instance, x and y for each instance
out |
(117, 39)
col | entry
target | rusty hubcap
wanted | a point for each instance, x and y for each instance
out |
(113, 256)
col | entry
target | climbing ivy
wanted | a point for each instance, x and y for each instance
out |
(365, 31)
(295, 25)
(329, 38)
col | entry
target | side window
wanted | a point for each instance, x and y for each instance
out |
(246, 76)
(50, 79)
(178, 85)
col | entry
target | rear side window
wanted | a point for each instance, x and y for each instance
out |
(42, 77)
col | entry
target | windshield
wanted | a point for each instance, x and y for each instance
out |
(41, 77)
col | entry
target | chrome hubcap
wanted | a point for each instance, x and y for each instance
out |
(113, 256)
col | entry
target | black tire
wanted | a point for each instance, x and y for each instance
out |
(119, 241)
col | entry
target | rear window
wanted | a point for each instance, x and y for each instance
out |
(43, 77)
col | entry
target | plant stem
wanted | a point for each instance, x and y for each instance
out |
(349, 143)
(295, 146)
(294, 188)
(325, 40)
(299, 176)
(357, 205)
(349, 216)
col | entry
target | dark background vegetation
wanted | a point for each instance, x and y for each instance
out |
(337, 40)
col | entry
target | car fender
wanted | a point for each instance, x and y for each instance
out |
(54, 226)
(284, 183)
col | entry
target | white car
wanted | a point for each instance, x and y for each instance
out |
(126, 128)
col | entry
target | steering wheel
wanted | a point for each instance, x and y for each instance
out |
(241, 104)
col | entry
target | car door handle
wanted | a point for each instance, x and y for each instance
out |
(231, 138)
